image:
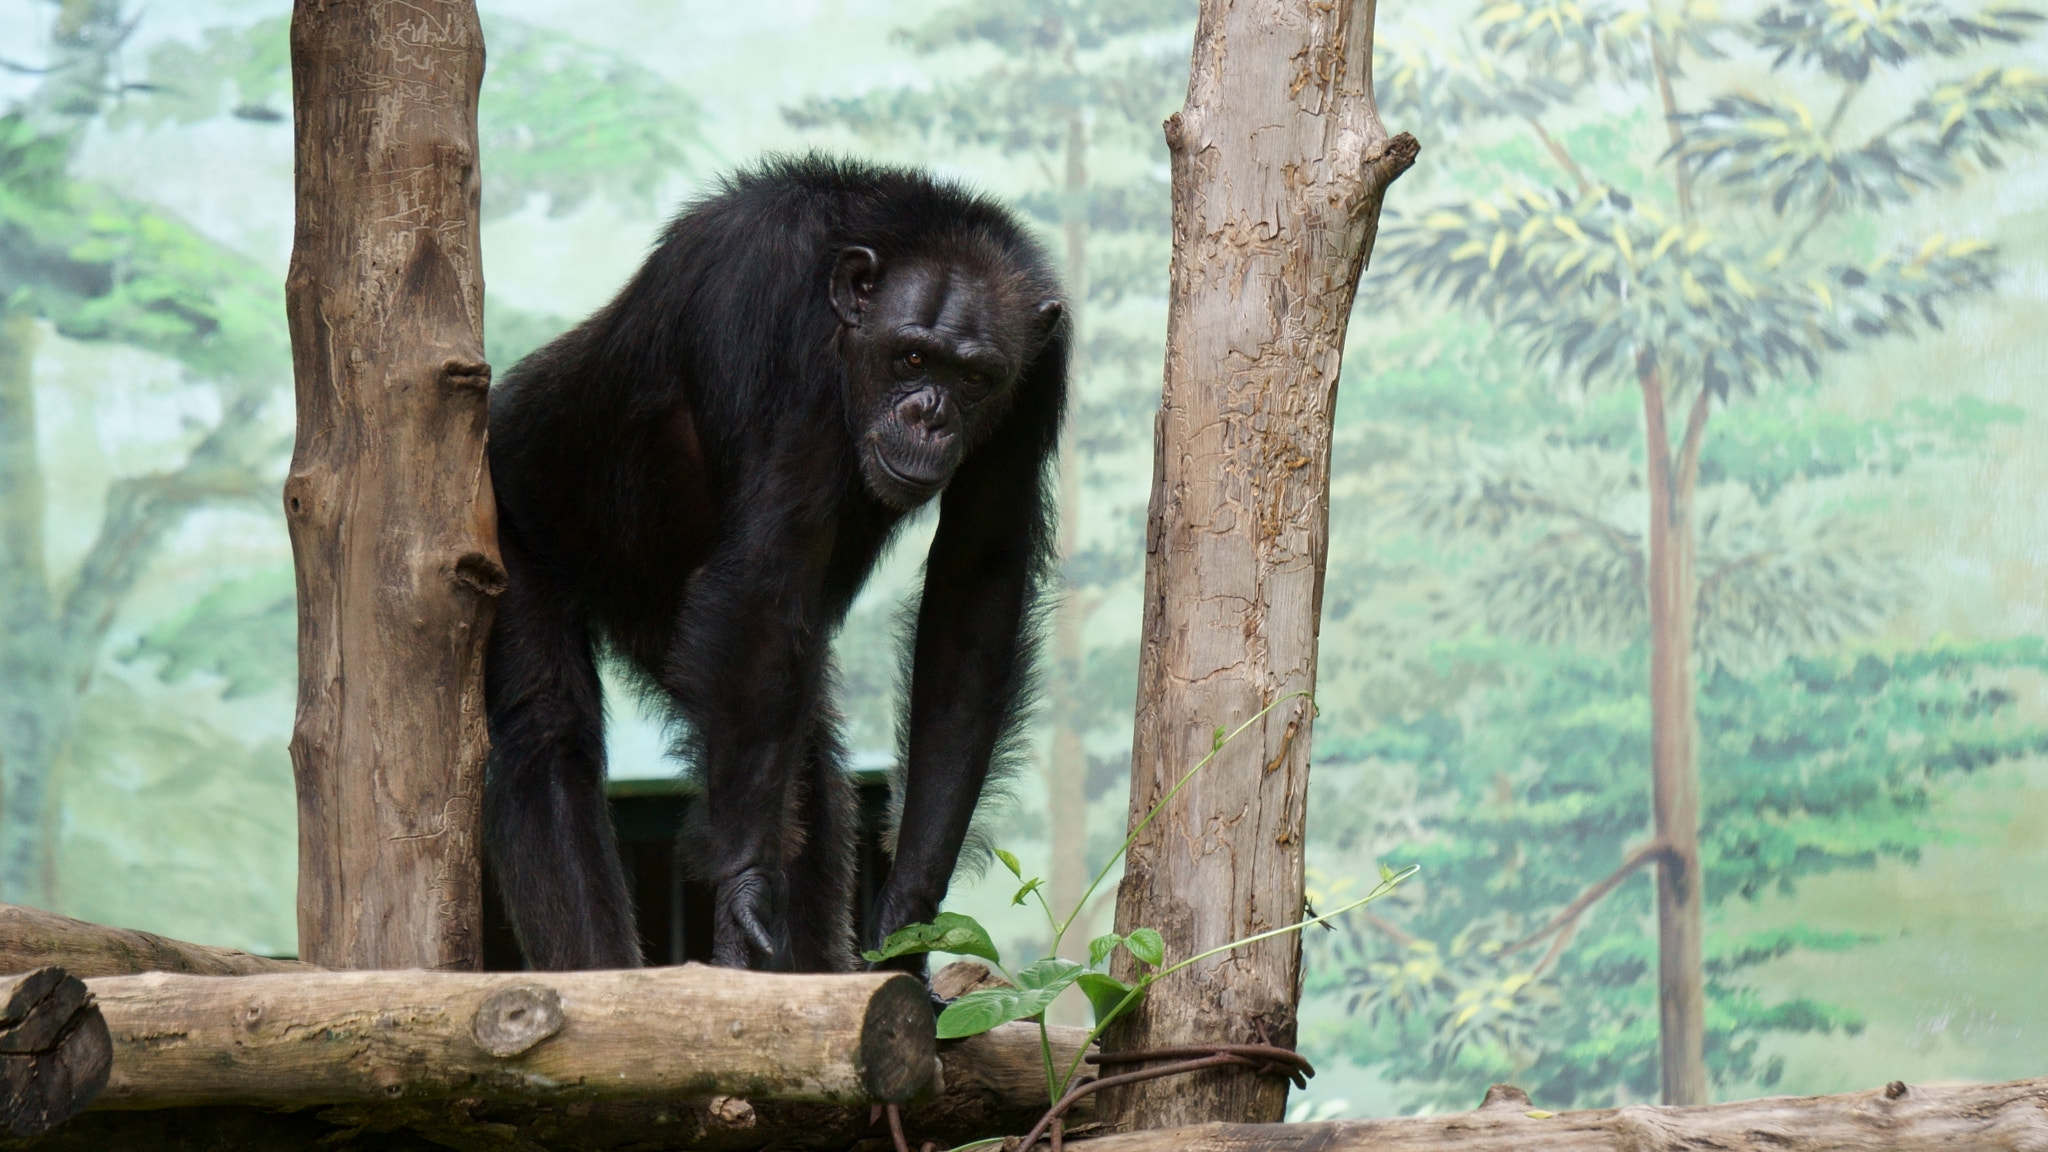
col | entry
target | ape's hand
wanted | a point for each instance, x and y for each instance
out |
(749, 929)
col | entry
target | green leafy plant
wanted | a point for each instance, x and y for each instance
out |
(1032, 988)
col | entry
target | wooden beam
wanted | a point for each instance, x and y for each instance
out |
(1897, 1118)
(994, 1083)
(32, 938)
(299, 1039)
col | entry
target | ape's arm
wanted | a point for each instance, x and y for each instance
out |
(971, 665)
(745, 667)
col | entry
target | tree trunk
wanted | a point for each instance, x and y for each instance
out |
(29, 642)
(1674, 744)
(1981, 1117)
(392, 520)
(1279, 167)
(1066, 775)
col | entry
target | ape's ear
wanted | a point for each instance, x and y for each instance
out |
(1049, 313)
(853, 280)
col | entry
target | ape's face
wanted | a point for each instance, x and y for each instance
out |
(933, 352)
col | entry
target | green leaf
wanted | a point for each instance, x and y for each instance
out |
(1030, 886)
(1051, 974)
(1100, 948)
(977, 1012)
(1010, 861)
(1386, 873)
(1147, 945)
(1105, 994)
(948, 932)
(987, 1008)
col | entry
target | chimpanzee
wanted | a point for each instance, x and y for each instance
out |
(697, 481)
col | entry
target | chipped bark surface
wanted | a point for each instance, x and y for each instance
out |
(392, 520)
(993, 1083)
(1280, 163)
(33, 938)
(2009, 1117)
(299, 1039)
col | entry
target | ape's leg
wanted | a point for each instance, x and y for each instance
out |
(546, 824)
(820, 875)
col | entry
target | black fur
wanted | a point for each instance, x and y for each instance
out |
(689, 481)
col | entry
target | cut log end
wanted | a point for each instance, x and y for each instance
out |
(899, 1053)
(55, 1052)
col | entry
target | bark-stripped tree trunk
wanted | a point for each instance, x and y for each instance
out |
(392, 519)
(1279, 167)
(1674, 740)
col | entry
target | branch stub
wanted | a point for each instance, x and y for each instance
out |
(512, 1020)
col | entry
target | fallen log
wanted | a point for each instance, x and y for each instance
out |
(54, 1052)
(32, 938)
(293, 1039)
(2009, 1117)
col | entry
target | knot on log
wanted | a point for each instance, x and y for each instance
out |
(512, 1020)
(1895, 1089)
(460, 373)
(1397, 155)
(480, 574)
(1506, 1096)
(55, 1051)
(731, 1112)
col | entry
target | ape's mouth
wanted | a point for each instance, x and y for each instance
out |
(925, 484)
(902, 486)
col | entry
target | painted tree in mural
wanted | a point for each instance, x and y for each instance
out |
(1741, 268)
(99, 266)
(93, 264)
(1078, 95)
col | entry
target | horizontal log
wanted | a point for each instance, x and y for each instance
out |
(32, 938)
(295, 1039)
(995, 1083)
(2010, 1117)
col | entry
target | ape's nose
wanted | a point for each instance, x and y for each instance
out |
(928, 409)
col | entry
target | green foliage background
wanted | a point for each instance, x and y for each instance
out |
(1876, 809)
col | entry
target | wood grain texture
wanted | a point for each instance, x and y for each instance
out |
(392, 519)
(1280, 164)
(994, 1084)
(1898, 1118)
(693, 1031)
(33, 938)
(54, 1051)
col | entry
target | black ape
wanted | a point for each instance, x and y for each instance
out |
(700, 477)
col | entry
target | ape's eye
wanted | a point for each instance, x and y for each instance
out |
(914, 359)
(976, 380)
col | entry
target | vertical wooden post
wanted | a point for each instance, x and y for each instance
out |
(1279, 166)
(392, 519)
